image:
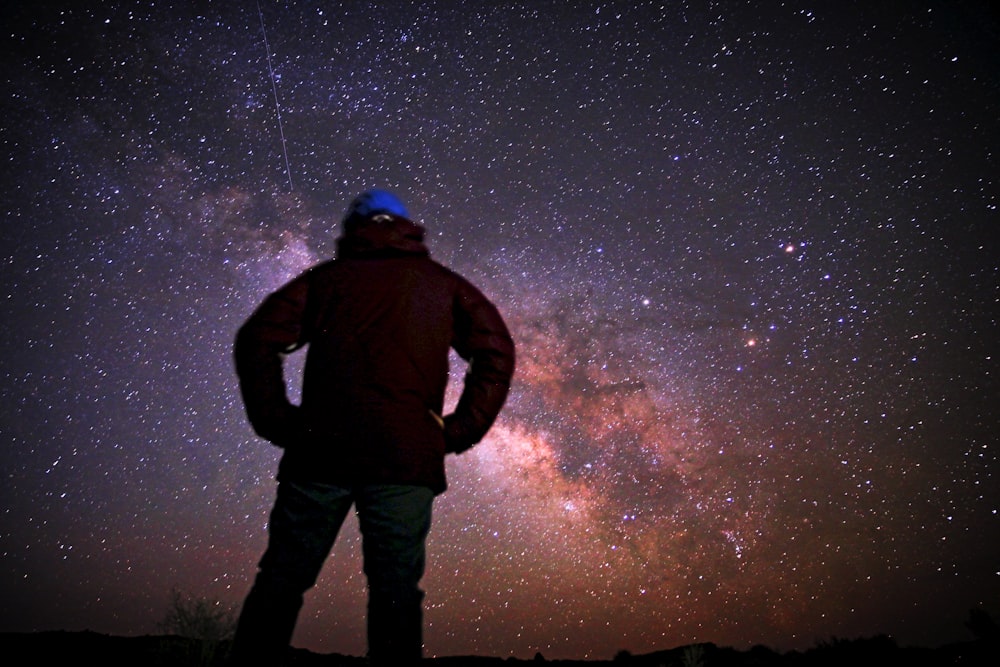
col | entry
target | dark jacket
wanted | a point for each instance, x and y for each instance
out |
(379, 322)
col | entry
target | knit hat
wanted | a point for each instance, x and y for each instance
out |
(374, 202)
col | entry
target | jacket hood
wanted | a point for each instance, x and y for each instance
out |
(376, 201)
(380, 236)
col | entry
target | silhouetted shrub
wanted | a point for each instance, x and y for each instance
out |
(694, 655)
(207, 627)
(982, 625)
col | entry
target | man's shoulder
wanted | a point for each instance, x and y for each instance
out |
(338, 268)
(460, 281)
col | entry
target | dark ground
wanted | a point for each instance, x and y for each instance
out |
(97, 650)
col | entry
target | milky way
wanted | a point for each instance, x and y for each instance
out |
(747, 252)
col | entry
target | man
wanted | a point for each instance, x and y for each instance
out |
(379, 321)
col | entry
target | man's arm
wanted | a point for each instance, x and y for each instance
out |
(482, 339)
(274, 330)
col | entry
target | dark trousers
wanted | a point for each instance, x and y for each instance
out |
(394, 522)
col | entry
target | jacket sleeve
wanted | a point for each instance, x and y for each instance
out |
(481, 338)
(274, 330)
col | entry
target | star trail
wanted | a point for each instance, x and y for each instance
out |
(748, 253)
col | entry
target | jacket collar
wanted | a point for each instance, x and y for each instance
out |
(380, 236)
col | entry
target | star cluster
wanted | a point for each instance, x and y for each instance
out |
(747, 252)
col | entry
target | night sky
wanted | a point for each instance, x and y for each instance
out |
(748, 253)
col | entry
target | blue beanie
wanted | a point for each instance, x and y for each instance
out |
(372, 202)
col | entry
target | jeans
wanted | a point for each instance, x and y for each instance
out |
(305, 521)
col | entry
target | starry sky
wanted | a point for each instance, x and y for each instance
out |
(748, 253)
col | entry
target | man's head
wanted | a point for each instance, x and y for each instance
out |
(374, 202)
(377, 220)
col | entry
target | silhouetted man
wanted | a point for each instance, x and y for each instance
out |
(379, 321)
